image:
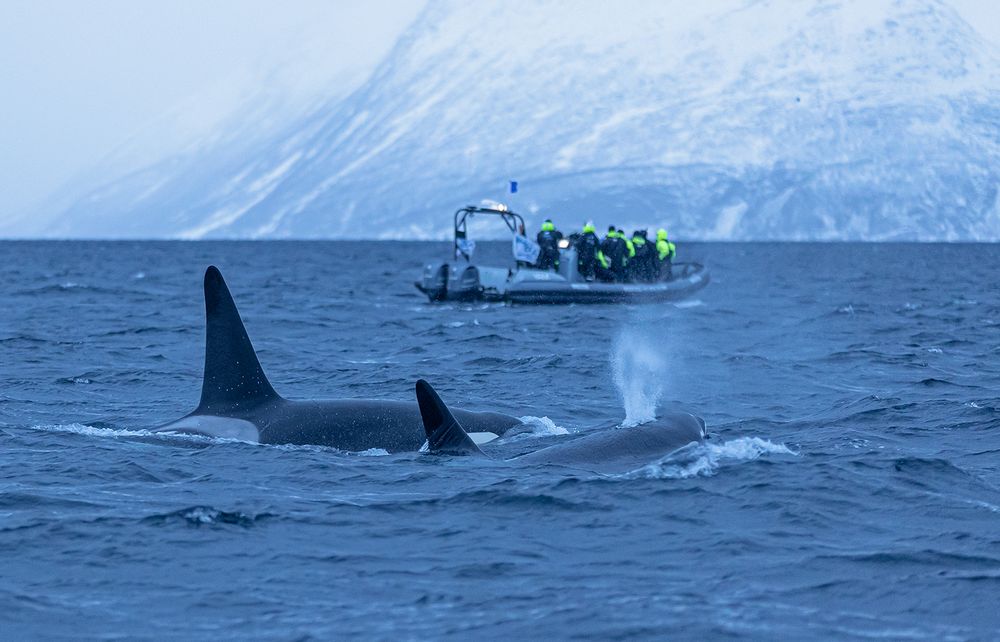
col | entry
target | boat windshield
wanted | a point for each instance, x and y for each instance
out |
(491, 222)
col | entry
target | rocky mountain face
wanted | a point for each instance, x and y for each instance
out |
(743, 119)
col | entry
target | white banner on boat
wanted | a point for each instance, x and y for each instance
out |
(466, 247)
(525, 249)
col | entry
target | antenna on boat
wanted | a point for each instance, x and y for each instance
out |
(511, 196)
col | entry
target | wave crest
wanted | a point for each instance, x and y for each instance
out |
(705, 459)
(206, 516)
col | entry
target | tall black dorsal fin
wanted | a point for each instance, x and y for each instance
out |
(233, 376)
(444, 434)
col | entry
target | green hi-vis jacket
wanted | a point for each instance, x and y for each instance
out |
(665, 249)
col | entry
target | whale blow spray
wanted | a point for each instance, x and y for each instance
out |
(639, 370)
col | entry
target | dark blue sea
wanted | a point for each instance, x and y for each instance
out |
(850, 490)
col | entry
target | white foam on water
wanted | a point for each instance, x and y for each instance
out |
(993, 508)
(536, 427)
(705, 459)
(91, 431)
(114, 433)
(371, 452)
(202, 515)
(691, 303)
(542, 426)
(638, 370)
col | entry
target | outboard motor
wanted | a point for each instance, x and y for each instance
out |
(435, 282)
(465, 284)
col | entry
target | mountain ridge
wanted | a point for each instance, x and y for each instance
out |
(743, 120)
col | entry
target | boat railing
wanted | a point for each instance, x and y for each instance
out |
(686, 269)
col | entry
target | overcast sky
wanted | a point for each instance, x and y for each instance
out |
(80, 78)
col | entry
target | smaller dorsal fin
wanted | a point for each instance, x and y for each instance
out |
(444, 434)
(233, 376)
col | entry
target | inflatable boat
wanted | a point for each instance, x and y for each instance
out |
(463, 280)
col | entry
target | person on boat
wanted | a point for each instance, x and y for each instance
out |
(665, 253)
(548, 242)
(588, 253)
(652, 265)
(641, 266)
(629, 254)
(602, 269)
(613, 250)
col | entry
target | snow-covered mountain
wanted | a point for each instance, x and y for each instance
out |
(734, 119)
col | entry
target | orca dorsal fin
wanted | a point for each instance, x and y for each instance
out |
(444, 434)
(233, 376)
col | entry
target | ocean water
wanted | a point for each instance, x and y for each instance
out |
(851, 487)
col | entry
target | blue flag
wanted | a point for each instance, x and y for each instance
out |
(513, 187)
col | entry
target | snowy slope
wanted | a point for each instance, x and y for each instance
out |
(868, 119)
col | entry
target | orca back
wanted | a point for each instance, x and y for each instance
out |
(623, 449)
